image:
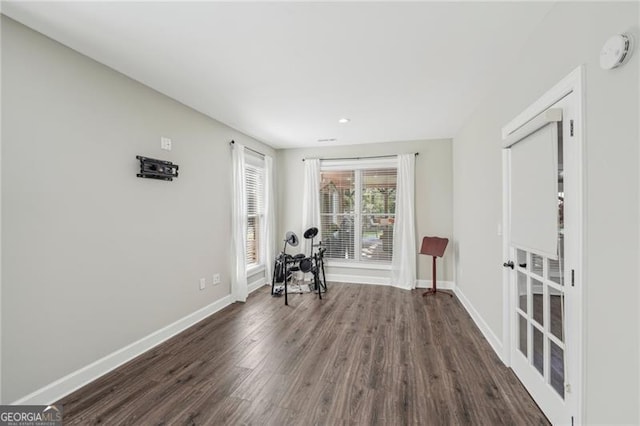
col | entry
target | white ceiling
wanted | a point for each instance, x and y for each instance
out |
(285, 73)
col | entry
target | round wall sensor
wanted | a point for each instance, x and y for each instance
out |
(615, 51)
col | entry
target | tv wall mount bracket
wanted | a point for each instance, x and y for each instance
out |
(152, 168)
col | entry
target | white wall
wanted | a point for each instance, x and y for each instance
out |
(93, 257)
(433, 194)
(570, 35)
(1, 399)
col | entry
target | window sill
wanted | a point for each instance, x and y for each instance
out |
(255, 270)
(358, 265)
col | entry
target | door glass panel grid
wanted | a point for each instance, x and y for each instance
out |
(540, 315)
(523, 303)
(556, 310)
(554, 347)
(555, 340)
(537, 265)
(523, 292)
(522, 258)
(538, 352)
(556, 368)
(538, 301)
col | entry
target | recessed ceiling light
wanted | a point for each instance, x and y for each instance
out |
(327, 140)
(344, 120)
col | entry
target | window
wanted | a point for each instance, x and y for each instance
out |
(254, 190)
(357, 209)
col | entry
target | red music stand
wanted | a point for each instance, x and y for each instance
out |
(435, 247)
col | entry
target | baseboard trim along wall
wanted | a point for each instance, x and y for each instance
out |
(357, 279)
(73, 381)
(441, 285)
(494, 341)
(257, 284)
(486, 331)
(364, 279)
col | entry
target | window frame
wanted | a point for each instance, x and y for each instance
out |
(256, 163)
(357, 166)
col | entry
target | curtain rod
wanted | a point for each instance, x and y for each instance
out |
(360, 158)
(250, 149)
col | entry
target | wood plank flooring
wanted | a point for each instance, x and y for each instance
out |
(364, 354)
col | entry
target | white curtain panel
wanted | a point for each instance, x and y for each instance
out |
(239, 288)
(403, 263)
(268, 242)
(310, 201)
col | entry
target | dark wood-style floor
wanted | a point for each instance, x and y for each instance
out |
(363, 355)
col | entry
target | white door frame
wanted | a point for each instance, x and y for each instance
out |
(572, 83)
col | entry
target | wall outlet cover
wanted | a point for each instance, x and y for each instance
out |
(165, 143)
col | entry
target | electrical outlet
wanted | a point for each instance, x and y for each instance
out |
(202, 283)
(216, 279)
(165, 143)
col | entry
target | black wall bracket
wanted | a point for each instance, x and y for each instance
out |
(157, 169)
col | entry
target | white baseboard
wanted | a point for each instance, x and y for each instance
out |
(442, 285)
(358, 279)
(493, 340)
(73, 381)
(366, 279)
(257, 284)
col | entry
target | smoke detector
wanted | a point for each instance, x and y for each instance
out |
(615, 51)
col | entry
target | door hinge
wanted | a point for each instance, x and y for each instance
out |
(571, 127)
(573, 278)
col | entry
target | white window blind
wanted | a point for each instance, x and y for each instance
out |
(357, 209)
(254, 189)
(534, 192)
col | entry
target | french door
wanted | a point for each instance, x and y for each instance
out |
(542, 241)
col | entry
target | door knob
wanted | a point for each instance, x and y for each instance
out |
(508, 264)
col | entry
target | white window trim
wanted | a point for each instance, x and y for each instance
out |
(363, 164)
(359, 164)
(358, 265)
(255, 269)
(258, 163)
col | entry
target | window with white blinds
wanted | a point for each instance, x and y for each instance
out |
(357, 209)
(254, 190)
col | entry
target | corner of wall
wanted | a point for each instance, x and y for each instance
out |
(1, 383)
(637, 52)
(494, 341)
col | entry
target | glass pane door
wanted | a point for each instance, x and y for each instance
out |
(540, 315)
(544, 306)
